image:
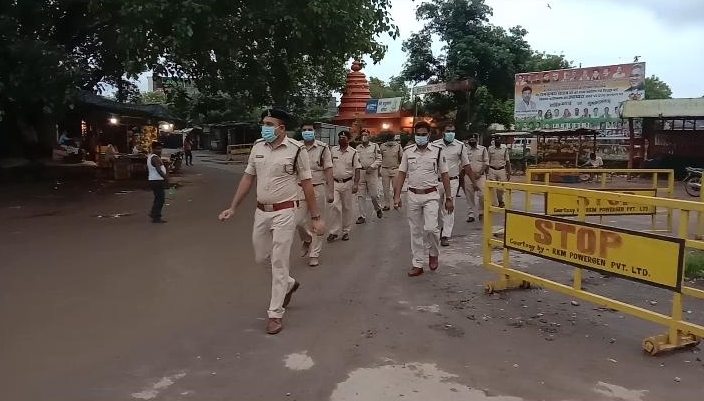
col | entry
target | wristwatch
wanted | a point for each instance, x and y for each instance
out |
(315, 217)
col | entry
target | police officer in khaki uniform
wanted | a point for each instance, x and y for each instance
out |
(479, 163)
(345, 172)
(391, 154)
(499, 167)
(321, 169)
(277, 163)
(370, 158)
(422, 163)
(455, 153)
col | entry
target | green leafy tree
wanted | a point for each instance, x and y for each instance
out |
(241, 54)
(473, 49)
(158, 97)
(657, 89)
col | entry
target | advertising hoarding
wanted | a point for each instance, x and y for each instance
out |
(578, 98)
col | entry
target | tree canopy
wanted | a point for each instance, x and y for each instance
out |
(246, 51)
(657, 89)
(472, 49)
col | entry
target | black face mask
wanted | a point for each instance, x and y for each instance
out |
(472, 143)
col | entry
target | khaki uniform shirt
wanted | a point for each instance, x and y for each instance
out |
(456, 155)
(421, 166)
(344, 163)
(498, 157)
(391, 154)
(320, 160)
(277, 178)
(478, 159)
(369, 156)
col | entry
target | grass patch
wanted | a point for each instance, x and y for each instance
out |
(694, 264)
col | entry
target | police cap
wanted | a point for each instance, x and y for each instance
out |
(277, 114)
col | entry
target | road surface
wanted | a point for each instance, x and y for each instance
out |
(115, 308)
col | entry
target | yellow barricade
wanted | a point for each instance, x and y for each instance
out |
(644, 257)
(242, 149)
(557, 205)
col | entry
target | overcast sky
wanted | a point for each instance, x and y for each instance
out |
(667, 35)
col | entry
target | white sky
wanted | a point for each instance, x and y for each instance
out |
(666, 34)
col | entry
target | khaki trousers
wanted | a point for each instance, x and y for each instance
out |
(341, 211)
(498, 175)
(388, 176)
(368, 185)
(475, 198)
(305, 225)
(447, 220)
(272, 236)
(423, 221)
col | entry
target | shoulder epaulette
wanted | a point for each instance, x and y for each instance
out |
(409, 146)
(259, 140)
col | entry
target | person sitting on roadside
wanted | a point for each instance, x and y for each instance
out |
(594, 161)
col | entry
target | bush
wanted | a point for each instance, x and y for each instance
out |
(694, 264)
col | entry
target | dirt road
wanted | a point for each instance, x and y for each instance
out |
(115, 308)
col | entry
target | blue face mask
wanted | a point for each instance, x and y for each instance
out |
(449, 136)
(308, 136)
(421, 140)
(268, 133)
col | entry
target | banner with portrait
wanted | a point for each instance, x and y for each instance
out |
(578, 98)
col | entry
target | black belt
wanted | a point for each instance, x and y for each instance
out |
(497, 168)
(452, 178)
(342, 180)
(315, 185)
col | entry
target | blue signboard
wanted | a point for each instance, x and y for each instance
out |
(372, 105)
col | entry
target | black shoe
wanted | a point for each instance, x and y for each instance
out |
(379, 213)
(386, 208)
(444, 241)
(470, 219)
(290, 292)
(361, 220)
(332, 238)
(481, 217)
(502, 205)
(158, 221)
(346, 237)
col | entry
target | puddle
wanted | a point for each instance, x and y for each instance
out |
(154, 390)
(615, 392)
(434, 308)
(299, 361)
(409, 382)
(113, 216)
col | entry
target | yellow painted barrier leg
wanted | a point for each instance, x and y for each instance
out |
(661, 343)
(505, 282)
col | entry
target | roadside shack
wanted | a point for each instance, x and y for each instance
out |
(672, 133)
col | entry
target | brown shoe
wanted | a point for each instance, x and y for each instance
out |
(433, 262)
(290, 292)
(273, 326)
(416, 271)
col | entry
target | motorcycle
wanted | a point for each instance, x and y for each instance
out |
(693, 181)
(175, 162)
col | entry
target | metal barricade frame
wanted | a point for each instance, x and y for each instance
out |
(680, 333)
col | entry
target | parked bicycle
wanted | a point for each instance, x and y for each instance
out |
(693, 181)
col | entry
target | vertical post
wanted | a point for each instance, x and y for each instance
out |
(631, 147)
(673, 333)
(508, 201)
(581, 216)
(671, 194)
(488, 222)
